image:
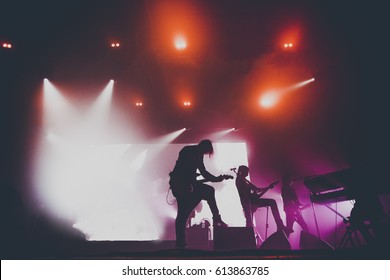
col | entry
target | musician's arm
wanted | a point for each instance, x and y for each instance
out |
(254, 188)
(207, 175)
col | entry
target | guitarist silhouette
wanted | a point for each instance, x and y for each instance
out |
(292, 206)
(188, 191)
(251, 198)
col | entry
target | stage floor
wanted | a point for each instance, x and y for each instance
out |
(166, 250)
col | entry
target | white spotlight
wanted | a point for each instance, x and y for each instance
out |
(96, 121)
(220, 133)
(165, 139)
(102, 104)
(301, 84)
(56, 109)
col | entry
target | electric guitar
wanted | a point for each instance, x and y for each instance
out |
(181, 188)
(259, 192)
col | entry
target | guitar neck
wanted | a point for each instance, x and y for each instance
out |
(202, 181)
(225, 177)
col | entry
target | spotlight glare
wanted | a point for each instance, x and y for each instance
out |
(301, 84)
(56, 109)
(269, 100)
(180, 42)
(168, 138)
(99, 111)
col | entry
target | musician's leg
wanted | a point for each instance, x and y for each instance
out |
(301, 222)
(357, 219)
(248, 215)
(208, 193)
(185, 205)
(263, 202)
(290, 219)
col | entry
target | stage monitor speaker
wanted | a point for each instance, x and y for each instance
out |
(276, 241)
(234, 238)
(309, 241)
(197, 237)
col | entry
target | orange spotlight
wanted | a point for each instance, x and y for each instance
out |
(139, 104)
(115, 45)
(288, 45)
(177, 27)
(269, 100)
(7, 45)
(180, 42)
(187, 103)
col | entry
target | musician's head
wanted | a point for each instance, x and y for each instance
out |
(243, 170)
(206, 147)
(287, 178)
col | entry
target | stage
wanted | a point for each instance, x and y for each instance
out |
(165, 250)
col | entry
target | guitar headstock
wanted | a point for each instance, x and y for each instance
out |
(226, 177)
(273, 184)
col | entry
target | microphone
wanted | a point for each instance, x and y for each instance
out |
(233, 169)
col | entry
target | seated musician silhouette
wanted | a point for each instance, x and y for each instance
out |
(291, 205)
(250, 197)
(188, 191)
(368, 217)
